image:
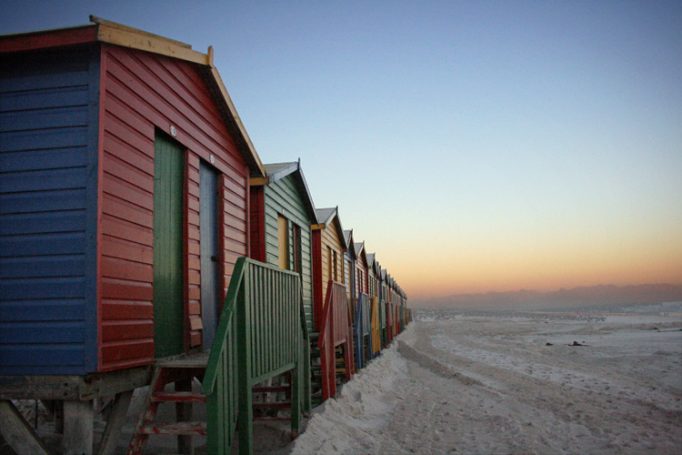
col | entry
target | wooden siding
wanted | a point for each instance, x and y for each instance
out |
(48, 196)
(348, 269)
(361, 274)
(332, 240)
(142, 93)
(193, 252)
(286, 198)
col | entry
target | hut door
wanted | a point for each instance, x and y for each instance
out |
(168, 243)
(208, 222)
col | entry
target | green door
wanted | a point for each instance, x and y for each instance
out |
(168, 276)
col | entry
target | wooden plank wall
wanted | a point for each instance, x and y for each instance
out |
(286, 197)
(143, 93)
(333, 239)
(48, 217)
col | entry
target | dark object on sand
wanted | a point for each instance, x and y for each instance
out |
(549, 344)
(575, 343)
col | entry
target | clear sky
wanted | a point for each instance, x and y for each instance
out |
(475, 146)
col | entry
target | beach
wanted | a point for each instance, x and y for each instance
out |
(514, 383)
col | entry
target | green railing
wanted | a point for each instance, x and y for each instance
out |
(261, 334)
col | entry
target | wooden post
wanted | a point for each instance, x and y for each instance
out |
(296, 386)
(19, 434)
(117, 418)
(78, 427)
(245, 422)
(183, 413)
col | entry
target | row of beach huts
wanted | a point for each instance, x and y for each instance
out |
(144, 243)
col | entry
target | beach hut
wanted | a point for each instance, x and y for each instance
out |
(382, 302)
(395, 302)
(386, 301)
(375, 319)
(282, 212)
(331, 310)
(349, 268)
(124, 198)
(362, 316)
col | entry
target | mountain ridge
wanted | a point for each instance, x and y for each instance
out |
(563, 298)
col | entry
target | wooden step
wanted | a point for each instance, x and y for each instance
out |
(179, 397)
(273, 418)
(179, 428)
(196, 360)
(272, 388)
(274, 405)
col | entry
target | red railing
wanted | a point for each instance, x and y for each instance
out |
(335, 330)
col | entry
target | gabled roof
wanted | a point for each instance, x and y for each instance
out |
(348, 238)
(104, 31)
(359, 248)
(331, 215)
(347, 235)
(370, 259)
(325, 215)
(277, 171)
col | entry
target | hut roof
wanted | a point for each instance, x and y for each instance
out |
(331, 215)
(277, 171)
(348, 238)
(104, 31)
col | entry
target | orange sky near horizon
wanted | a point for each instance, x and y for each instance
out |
(440, 264)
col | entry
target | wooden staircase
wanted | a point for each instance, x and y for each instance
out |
(315, 371)
(181, 371)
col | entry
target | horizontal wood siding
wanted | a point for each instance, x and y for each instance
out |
(348, 269)
(333, 239)
(285, 197)
(193, 252)
(361, 275)
(142, 93)
(48, 198)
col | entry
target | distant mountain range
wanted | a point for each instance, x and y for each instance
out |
(563, 299)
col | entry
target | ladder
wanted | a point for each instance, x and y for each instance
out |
(180, 370)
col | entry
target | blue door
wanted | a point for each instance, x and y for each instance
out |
(210, 266)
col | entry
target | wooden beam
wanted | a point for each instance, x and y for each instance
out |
(137, 39)
(115, 422)
(17, 432)
(78, 427)
(183, 413)
(72, 387)
(317, 227)
(258, 181)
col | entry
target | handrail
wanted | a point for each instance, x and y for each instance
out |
(211, 373)
(326, 312)
(258, 337)
(335, 330)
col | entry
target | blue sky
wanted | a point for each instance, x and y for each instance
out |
(474, 145)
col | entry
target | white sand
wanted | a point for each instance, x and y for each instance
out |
(490, 384)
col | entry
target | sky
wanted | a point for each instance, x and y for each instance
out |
(475, 146)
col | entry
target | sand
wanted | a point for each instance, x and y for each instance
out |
(488, 384)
